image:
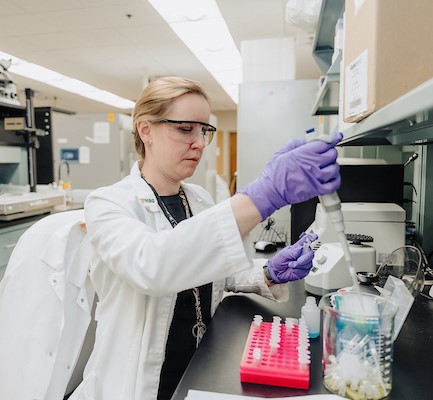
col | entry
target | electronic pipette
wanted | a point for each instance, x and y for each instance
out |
(332, 205)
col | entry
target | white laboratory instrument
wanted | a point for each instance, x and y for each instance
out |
(8, 89)
(20, 205)
(385, 222)
(331, 204)
(330, 273)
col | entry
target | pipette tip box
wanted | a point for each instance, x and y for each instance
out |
(285, 364)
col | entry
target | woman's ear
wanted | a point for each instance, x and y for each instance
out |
(143, 128)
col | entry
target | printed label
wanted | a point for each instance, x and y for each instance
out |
(355, 87)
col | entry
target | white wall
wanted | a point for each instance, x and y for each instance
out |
(268, 59)
(269, 115)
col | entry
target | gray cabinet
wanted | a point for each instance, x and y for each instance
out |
(98, 147)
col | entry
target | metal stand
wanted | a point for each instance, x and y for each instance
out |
(31, 140)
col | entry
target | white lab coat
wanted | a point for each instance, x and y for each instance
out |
(139, 264)
(45, 308)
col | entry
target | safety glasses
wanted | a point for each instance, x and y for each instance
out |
(189, 131)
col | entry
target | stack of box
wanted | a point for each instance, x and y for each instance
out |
(387, 52)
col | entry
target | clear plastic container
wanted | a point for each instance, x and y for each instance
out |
(311, 314)
(358, 344)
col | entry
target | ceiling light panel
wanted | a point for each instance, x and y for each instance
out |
(200, 25)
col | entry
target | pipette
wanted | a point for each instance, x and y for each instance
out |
(332, 205)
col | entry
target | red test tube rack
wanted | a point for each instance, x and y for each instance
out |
(277, 353)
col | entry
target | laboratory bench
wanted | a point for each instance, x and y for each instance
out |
(30, 220)
(215, 365)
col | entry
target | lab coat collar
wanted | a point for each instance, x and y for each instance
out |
(68, 251)
(143, 191)
(147, 197)
(54, 251)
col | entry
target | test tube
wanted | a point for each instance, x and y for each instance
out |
(289, 324)
(354, 382)
(303, 331)
(257, 356)
(304, 361)
(275, 329)
(376, 364)
(274, 346)
(258, 319)
(306, 245)
(376, 393)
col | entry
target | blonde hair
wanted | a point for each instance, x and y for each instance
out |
(156, 99)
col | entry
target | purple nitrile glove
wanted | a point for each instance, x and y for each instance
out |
(293, 262)
(296, 173)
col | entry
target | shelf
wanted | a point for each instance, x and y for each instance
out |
(325, 102)
(323, 46)
(11, 110)
(407, 120)
(5, 105)
(327, 97)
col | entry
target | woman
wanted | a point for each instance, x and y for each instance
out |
(163, 253)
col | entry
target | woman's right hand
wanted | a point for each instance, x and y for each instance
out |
(296, 173)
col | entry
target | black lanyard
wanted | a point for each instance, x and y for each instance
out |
(164, 208)
(199, 328)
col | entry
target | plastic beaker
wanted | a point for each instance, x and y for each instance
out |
(405, 263)
(357, 344)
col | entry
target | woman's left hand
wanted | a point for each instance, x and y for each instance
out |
(293, 262)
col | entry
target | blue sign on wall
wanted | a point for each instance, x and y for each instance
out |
(71, 155)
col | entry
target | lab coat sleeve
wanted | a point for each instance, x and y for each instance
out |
(254, 282)
(129, 241)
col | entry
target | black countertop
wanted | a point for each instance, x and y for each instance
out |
(22, 220)
(215, 365)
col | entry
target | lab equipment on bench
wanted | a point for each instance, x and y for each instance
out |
(265, 246)
(8, 89)
(311, 313)
(385, 222)
(330, 273)
(332, 205)
(269, 232)
(358, 345)
(368, 282)
(277, 353)
(19, 205)
(394, 288)
(405, 263)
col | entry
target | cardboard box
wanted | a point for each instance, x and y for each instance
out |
(387, 52)
(14, 123)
